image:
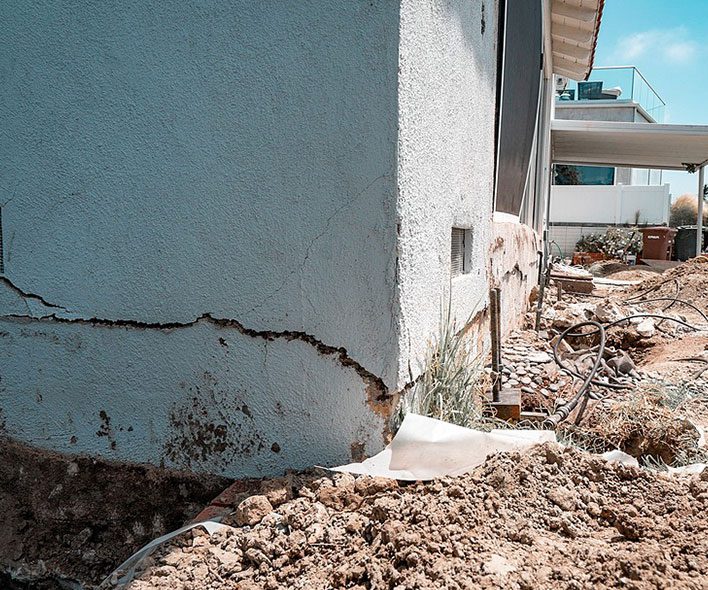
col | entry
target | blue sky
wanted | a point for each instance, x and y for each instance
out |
(668, 41)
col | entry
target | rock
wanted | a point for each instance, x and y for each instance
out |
(252, 510)
(622, 364)
(277, 490)
(563, 498)
(646, 328)
(607, 312)
(539, 357)
(526, 380)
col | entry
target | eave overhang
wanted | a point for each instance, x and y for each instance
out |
(574, 28)
(631, 145)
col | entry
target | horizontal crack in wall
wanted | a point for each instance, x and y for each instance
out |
(379, 398)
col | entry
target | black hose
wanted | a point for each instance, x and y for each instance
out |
(583, 392)
(645, 292)
(564, 411)
(638, 315)
(674, 300)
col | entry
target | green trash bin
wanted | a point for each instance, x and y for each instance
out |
(685, 242)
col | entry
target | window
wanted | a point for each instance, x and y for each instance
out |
(460, 250)
(586, 175)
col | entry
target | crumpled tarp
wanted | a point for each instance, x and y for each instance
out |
(425, 448)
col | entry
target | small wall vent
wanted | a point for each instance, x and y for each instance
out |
(460, 247)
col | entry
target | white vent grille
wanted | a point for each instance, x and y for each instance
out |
(458, 251)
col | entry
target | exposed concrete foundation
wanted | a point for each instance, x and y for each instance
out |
(514, 263)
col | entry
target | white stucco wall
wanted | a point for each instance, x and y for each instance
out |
(446, 101)
(168, 161)
(227, 225)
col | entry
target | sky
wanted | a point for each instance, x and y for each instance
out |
(668, 42)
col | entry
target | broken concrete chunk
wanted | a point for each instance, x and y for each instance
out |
(607, 312)
(646, 328)
(252, 510)
(622, 364)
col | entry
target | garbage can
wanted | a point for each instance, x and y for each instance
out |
(685, 242)
(658, 242)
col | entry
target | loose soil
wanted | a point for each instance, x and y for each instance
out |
(67, 521)
(550, 518)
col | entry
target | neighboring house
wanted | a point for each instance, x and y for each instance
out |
(230, 228)
(588, 199)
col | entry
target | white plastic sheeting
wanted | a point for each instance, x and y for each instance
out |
(125, 572)
(425, 448)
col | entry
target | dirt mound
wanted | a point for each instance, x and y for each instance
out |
(632, 274)
(67, 521)
(551, 518)
(692, 279)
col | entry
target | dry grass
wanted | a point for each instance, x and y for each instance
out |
(647, 425)
(453, 384)
(684, 211)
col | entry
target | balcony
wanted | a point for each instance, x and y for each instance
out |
(620, 83)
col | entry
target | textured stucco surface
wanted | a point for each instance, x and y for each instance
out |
(202, 397)
(166, 160)
(227, 224)
(446, 162)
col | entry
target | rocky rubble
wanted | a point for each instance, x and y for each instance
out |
(628, 342)
(550, 518)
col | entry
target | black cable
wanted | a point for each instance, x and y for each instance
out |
(674, 300)
(639, 315)
(655, 288)
(564, 411)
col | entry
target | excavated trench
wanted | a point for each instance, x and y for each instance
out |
(67, 520)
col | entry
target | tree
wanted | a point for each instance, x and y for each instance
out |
(566, 174)
(684, 211)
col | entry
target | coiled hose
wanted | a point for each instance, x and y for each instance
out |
(584, 394)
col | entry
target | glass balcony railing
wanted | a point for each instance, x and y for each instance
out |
(621, 83)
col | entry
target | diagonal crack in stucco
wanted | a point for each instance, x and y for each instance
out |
(27, 295)
(308, 250)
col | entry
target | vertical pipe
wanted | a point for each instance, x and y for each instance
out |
(699, 221)
(495, 327)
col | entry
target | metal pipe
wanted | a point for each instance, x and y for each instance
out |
(699, 222)
(495, 328)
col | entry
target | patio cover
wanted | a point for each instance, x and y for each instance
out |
(632, 145)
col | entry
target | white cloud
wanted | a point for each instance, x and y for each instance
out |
(670, 45)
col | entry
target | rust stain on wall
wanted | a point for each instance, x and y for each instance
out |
(213, 427)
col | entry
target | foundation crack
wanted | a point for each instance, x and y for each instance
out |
(380, 398)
